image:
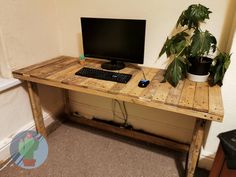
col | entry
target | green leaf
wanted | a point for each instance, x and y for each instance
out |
(176, 71)
(175, 44)
(226, 60)
(202, 43)
(221, 64)
(192, 17)
(163, 50)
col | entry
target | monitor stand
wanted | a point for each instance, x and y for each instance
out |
(113, 65)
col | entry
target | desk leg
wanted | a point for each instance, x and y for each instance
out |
(36, 108)
(195, 146)
(66, 98)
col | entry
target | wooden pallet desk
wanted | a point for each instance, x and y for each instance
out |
(189, 98)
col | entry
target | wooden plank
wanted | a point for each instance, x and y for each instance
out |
(153, 104)
(93, 63)
(201, 97)
(65, 73)
(119, 86)
(133, 83)
(69, 72)
(77, 80)
(73, 80)
(187, 95)
(38, 65)
(195, 147)
(153, 96)
(133, 134)
(66, 100)
(122, 97)
(36, 108)
(52, 68)
(148, 93)
(162, 92)
(100, 85)
(174, 94)
(136, 91)
(215, 101)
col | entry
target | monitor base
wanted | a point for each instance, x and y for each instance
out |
(113, 65)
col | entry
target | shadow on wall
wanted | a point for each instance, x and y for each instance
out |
(80, 43)
(226, 37)
(51, 100)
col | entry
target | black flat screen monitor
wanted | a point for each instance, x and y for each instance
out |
(117, 40)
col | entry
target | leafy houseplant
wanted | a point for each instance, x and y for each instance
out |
(189, 49)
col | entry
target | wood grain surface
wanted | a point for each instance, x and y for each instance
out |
(189, 98)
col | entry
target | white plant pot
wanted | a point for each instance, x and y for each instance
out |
(197, 78)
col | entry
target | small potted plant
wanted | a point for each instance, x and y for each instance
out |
(191, 50)
(27, 147)
(82, 60)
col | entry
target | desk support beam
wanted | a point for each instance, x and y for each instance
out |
(195, 147)
(141, 136)
(66, 100)
(36, 108)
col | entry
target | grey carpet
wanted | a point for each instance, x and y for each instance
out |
(79, 151)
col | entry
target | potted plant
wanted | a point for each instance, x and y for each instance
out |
(190, 51)
(27, 147)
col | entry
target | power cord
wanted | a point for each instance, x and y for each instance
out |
(143, 74)
(114, 101)
(141, 69)
(126, 114)
(122, 109)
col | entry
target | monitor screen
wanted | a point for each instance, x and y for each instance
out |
(114, 39)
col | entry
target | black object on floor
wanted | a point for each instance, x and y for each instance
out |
(228, 142)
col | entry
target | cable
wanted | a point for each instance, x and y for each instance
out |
(122, 109)
(126, 114)
(140, 68)
(143, 74)
(113, 110)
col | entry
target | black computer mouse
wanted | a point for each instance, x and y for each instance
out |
(143, 83)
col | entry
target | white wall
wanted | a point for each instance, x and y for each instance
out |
(16, 114)
(30, 31)
(30, 35)
(161, 18)
(16, 111)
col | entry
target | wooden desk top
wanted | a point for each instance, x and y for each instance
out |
(188, 98)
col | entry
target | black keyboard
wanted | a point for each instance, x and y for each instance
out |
(104, 75)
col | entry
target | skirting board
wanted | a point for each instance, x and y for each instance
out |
(206, 160)
(5, 143)
(8, 83)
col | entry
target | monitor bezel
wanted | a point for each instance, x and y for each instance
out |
(112, 58)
